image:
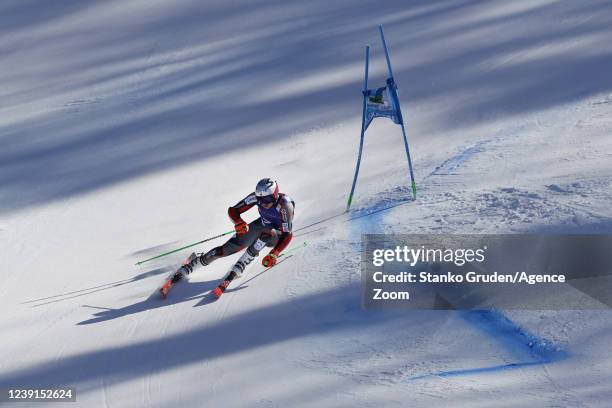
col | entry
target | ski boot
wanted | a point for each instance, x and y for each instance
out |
(219, 290)
(238, 268)
(182, 272)
(188, 266)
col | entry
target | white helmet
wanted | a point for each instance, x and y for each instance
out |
(266, 191)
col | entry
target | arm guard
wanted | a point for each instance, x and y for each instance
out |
(243, 205)
(286, 211)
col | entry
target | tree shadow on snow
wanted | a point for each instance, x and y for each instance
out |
(128, 101)
(251, 329)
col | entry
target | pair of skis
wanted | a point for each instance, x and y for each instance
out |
(217, 292)
(220, 289)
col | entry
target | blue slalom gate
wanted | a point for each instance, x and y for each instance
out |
(376, 105)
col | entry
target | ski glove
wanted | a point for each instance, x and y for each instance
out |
(269, 260)
(241, 228)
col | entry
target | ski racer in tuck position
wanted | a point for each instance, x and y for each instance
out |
(273, 229)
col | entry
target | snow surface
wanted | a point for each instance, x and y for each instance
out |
(127, 128)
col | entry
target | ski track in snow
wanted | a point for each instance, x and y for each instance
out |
(515, 156)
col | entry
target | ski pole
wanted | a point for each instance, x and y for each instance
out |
(185, 247)
(293, 249)
(270, 267)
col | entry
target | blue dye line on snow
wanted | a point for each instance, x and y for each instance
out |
(528, 348)
(473, 371)
(515, 338)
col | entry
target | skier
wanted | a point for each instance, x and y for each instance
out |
(273, 229)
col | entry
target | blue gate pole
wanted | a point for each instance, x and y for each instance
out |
(413, 183)
(363, 122)
(382, 36)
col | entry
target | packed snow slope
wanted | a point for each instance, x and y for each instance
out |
(128, 128)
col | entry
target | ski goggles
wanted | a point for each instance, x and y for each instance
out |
(266, 199)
